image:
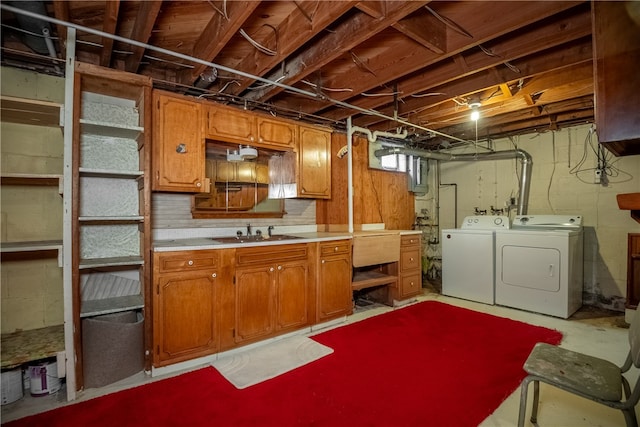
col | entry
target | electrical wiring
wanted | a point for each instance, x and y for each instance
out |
(257, 45)
(603, 163)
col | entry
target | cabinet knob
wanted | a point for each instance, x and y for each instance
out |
(322, 261)
(412, 284)
(335, 249)
(279, 267)
(214, 275)
(190, 262)
(198, 184)
(271, 269)
(411, 259)
(181, 148)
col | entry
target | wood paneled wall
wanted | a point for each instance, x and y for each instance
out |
(379, 197)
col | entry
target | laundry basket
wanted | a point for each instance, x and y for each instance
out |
(112, 347)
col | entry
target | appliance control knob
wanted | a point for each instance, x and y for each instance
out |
(497, 221)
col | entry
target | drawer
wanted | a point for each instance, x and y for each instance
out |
(337, 247)
(267, 254)
(410, 285)
(185, 261)
(410, 259)
(410, 239)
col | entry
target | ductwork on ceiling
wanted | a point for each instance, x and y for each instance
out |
(524, 157)
(37, 33)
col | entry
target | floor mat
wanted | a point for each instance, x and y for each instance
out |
(262, 363)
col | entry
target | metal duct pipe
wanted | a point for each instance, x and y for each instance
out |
(523, 156)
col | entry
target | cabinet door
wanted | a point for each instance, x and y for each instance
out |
(230, 125)
(184, 316)
(178, 145)
(292, 296)
(276, 132)
(255, 302)
(410, 285)
(334, 287)
(314, 163)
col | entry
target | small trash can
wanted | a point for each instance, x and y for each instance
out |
(112, 347)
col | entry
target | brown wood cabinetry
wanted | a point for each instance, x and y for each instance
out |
(333, 282)
(178, 145)
(237, 126)
(184, 305)
(314, 163)
(410, 281)
(616, 57)
(271, 291)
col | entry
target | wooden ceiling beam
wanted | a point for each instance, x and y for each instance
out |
(580, 55)
(145, 20)
(61, 12)
(343, 37)
(477, 14)
(109, 24)
(290, 35)
(540, 38)
(425, 29)
(217, 34)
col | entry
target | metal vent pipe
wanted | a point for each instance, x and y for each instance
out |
(523, 156)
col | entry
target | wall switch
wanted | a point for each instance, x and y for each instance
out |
(597, 176)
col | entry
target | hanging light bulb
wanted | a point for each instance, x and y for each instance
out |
(475, 113)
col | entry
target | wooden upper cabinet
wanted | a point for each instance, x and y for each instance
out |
(616, 41)
(276, 133)
(247, 128)
(314, 163)
(230, 124)
(178, 145)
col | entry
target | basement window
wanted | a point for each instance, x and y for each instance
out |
(394, 162)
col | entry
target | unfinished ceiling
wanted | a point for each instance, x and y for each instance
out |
(528, 64)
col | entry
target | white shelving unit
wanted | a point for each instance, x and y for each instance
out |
(110, 219)
(30, 345)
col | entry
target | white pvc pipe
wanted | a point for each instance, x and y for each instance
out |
(350, 173)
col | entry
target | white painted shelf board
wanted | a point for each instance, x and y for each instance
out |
(111, 305)
(110, 129)
(34, 246)
(110, 173)
(40, 245)
(136, 218)
(31, 111)
(43, 179)
(111, 262)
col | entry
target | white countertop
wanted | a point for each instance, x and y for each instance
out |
(201, 243)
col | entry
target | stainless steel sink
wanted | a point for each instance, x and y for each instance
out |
(255, 238)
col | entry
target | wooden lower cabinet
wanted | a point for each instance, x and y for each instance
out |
(271, 291)
(333, 284)
(410, 280)
(184, 306)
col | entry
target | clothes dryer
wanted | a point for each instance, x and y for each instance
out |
(539, 264)
(468, 260)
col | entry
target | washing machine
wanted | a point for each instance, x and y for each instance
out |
(539, 263)
(468, 261)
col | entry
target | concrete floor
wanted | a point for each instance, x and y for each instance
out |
(601, 334)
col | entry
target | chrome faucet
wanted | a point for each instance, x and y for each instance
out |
(269, 230)
(248, 229)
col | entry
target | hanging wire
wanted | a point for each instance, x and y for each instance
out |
(257, 45)
(328, 89)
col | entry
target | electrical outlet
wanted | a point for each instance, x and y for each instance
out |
(597, 177)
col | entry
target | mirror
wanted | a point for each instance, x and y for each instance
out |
(239, 178)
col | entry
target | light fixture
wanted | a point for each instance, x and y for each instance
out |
(247, 152)
(475, 114)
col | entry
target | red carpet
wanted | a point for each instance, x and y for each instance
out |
(429, 364)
